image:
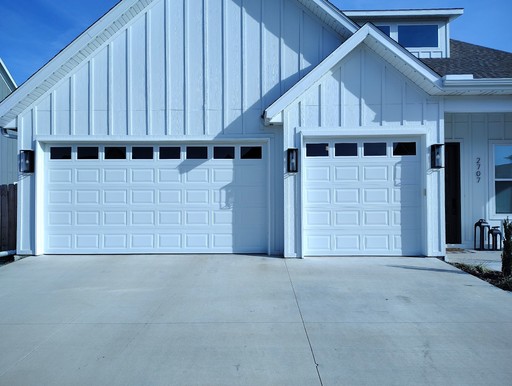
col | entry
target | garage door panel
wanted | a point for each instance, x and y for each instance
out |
(375, 173)
(370, 205)
(87, 176)
(347, 196)
(167, 206)
(346, 173)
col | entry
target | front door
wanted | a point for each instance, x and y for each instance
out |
(453, 193)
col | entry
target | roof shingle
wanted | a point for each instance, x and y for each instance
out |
(468, 58)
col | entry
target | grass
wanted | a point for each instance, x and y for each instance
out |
(496, 278)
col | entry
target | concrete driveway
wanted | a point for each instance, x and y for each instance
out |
(250, 320)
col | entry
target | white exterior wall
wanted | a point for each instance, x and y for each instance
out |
(180, 70)
(476, 133)
(364, 96)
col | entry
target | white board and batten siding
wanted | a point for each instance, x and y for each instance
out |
(364, 99)
(179, 71)
(477, 133)
(8, 153)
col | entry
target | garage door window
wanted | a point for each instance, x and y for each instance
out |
(345, 149)
(115, 152)
(250, 152)
(142, 152)
(317, 150)
(404, 148)
(87, 152)
(197, 152)
(170, 152)
(224, 152)
(375, 149)
(60, 152)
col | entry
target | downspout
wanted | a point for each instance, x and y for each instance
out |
(6, 134)
(7, 253)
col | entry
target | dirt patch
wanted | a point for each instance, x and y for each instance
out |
(495, 278)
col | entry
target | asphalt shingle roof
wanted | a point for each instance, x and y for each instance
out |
(468, 58)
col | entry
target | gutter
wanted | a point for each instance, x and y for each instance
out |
(468, 83)
(6, 134)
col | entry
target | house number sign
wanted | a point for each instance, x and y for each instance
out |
(478, 172)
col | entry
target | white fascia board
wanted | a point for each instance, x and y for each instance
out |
(450, 13)
(46, 77)
(337, 15)
(273, 114)
(7, 75)
(498, 86)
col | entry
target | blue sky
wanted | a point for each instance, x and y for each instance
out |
(33, 31)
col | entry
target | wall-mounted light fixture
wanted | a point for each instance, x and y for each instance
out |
(437, 156)
(26, 164)
(292, 164)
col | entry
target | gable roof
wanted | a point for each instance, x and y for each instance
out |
(387, 48)
(481, 62)
(113, 21)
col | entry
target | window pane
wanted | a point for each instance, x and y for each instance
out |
(170, 152)
(317, 150)
(374, 149)
(345, 149)
(404, 148)
(87, 152)
(142, 152)
(250, 152)
(385, 28)
(115, 152)
(60, 153)
(197, 152)
(418, 35)
(503, 161)
(503, 196)
(224, 152)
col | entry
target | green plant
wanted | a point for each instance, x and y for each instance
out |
(506, 255)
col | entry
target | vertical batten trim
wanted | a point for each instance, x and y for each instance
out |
(206, 107)
(341, 101)
(403, 85)
(128, 84)
(281, 42)
(321, 111)
(148, 63)
(72, 105)
(300, 58)
(243, 73)
(90, 75)
(224, 71)
(262, 55)
(362, 63)
(52, 112)
(167, 67)
(382, 94)
(185, 67)
(110, 87)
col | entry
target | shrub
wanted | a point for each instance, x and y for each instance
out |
(506, 255)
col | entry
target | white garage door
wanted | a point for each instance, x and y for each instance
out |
(156, 199)
(362, 197)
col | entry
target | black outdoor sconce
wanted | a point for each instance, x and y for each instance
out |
(292, 164)
(437, 156)
(26, 164)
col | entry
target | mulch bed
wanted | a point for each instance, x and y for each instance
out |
(495, 278)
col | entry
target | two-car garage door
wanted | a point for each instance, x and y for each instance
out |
(362, 197)
(156, 199)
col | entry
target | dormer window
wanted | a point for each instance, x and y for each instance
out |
(385, 28)
(414, 36)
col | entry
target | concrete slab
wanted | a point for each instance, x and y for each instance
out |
(250, 320)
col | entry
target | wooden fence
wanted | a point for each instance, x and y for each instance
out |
(8, 217)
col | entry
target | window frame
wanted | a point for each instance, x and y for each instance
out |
(494, 215)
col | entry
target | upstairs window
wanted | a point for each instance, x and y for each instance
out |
(412, 36)
(385, 28)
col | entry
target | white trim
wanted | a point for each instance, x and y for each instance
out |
(362, 132)
(451, 13)
(8, 77)
(493, 216)
(148, 139)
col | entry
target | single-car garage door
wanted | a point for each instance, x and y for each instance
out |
(156, 199)
(362, 197)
